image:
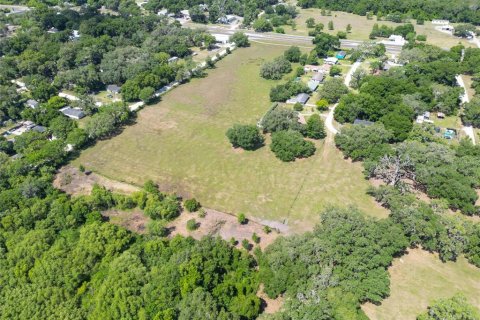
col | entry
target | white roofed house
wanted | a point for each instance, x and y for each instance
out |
(185, 14)
(331, 60)
(221, 38)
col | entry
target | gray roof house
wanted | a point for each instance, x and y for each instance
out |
(32, 103)
(312, 85)
(363, 122)
(302, 98)
(73, 113)
(113, 88)
(318, 77)
(40, 129)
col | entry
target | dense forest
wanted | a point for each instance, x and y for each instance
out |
(457, 11)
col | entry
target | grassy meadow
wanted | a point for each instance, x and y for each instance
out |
(180, 143)
(361, 27)
(418, 279)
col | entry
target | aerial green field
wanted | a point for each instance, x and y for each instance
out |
(418, 279)
(361, 27)
(180, 143)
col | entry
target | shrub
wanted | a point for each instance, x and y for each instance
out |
(298, 106)
(275, 69)
(245, 136)
(322, 105)
(279, 30)
(157, 228)
(192, 225)
(335, 71)
(81, 168)
(255, 238)
(422, 37)
(233, 241)
(267, 229)
(315, 127)
(242, 219)
(192, 205)
(342, 35)
(246, 244)
(293, 54)
(202, 213)
(288, 145)
(240, 39)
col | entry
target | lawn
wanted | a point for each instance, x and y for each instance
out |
(418, 279)
(361, 27)
(180, 143)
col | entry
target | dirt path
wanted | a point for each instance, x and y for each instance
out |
(348, 79)
(465, 99)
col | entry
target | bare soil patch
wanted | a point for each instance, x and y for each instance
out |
(74, 182)
(226, 226)
(133, 220)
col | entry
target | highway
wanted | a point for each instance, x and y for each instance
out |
(289, 39)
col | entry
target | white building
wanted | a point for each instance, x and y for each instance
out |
(221, 38)
(440, 21)
(331, 60)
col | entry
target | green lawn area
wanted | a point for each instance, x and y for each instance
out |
(418, 279)
(361, 27)
(180, 143)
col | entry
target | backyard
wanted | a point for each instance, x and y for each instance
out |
(180, 143)
(418, 279)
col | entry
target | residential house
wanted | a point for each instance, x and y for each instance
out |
(331, 61)
(395, 40)
(73, 113)
(32, 103)
(358, 122)
(52, 30)
(113, 88)
(162, 12)
(221, 38)
(440, 21)
(311, 68)
(440, 115)
(227, 19)
(302, 98)
(312, 85)
(318, 77)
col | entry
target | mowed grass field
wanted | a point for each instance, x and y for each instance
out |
(180, 143)
(418, 279)
(361, 27)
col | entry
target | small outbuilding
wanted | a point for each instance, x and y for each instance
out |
(173, 59)
(341, 55)
(113, 88)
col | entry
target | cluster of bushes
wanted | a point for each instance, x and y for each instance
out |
(287, 134)
(275, 69)
(275, 17)
(383, 31)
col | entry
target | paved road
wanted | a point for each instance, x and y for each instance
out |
(348, 78)
(292, 39)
